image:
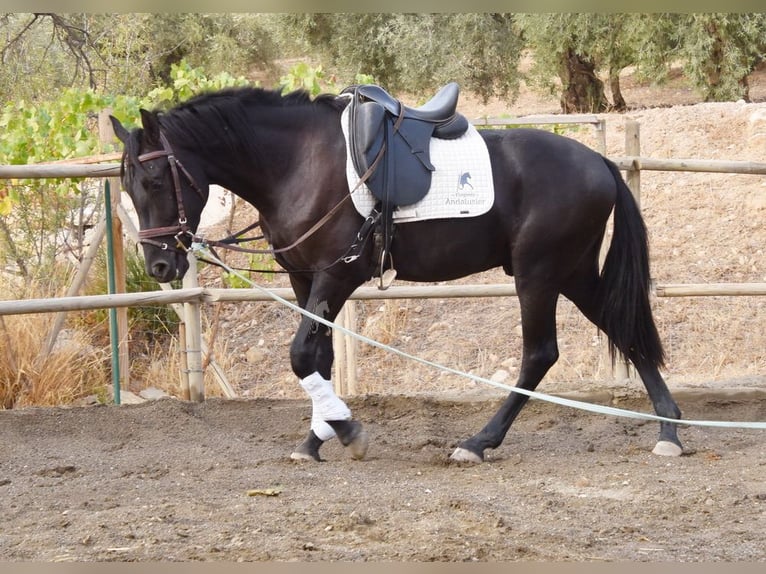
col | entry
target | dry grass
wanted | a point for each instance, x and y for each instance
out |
(29, 376)
(159, 366)
(78, 369)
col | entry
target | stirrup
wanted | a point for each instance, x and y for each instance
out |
(386, 277)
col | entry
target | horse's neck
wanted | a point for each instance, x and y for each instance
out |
(280, 168)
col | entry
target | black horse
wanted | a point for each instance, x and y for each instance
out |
(285, 154)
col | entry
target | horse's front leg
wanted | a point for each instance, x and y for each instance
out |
(311, 356)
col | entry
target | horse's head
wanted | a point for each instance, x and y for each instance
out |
(166, 194)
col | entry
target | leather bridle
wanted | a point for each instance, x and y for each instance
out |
(181, 229)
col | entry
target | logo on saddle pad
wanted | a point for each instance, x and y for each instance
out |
(465, 199)
(464, 181)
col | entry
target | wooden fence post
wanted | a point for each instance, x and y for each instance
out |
(351, 344)
(344, 347)
(77, 283)
(192, 320)
(601, 136)
(178, 308)
(633, 149)
(633, 179)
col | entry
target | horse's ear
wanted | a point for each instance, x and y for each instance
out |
(119, 130)
(151, 127)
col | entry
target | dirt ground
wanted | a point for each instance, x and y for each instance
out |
(169, 480)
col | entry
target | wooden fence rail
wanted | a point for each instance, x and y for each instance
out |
(204, 295)
(638, 163)
(54, 170)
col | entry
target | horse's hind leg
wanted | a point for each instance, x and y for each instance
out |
(668, 444)
(539, 353)
(311, 356)
(581, 291)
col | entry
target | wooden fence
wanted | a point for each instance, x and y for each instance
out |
(192, 296)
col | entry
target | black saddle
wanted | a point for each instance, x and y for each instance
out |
(392, 140)
(389, 145)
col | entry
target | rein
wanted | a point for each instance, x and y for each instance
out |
(351, 254)
(228, 243)
(147, 236)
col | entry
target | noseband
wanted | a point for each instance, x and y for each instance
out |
(181, 229)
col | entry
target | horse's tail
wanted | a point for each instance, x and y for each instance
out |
(625, 310)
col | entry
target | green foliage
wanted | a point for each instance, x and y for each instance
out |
(67, 126)
(187, 81)
(304, 77)
(38, 218)
(414, 52)
(146, 323)
(128, 53)
(44, 53)
(33, 212)
(257, 264)
(59, 129)
(35, 60)
(361, 78)
(719, 51)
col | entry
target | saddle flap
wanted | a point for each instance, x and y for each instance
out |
(416, 138)
(367, 134)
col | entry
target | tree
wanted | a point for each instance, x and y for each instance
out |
(719, 52)
(567, 49)
(42, 219)
(414, 52)
(123, 53)
(40, 51)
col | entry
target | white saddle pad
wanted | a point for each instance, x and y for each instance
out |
(461, 186)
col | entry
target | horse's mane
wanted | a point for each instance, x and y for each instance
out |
(224, 113)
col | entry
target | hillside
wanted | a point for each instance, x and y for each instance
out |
(703, 228)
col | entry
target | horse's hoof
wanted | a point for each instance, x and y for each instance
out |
(357, 441)
(308, 449)
(352, 435)
(465, 455)
(667, 448)
(304, 456)
(358, 446)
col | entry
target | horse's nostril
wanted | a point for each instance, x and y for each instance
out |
(159, 269)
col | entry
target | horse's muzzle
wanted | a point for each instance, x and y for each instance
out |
(166, 266)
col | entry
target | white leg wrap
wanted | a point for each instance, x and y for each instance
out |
(326, 406)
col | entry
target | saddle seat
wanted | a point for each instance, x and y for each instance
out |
(439, 110)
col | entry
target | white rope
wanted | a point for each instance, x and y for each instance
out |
(600, 409)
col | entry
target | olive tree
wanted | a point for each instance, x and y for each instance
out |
(719, 52)
(414, 52)
(125, 52)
